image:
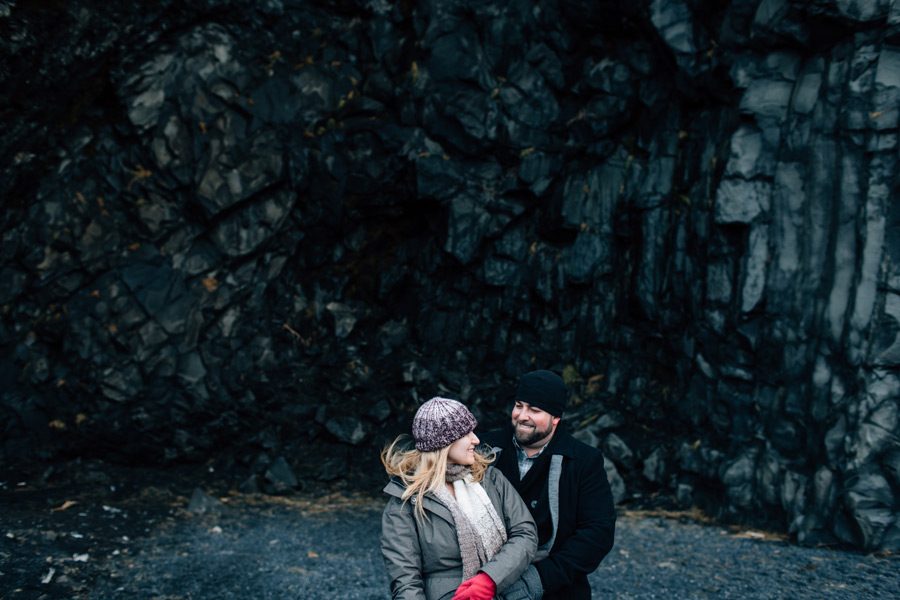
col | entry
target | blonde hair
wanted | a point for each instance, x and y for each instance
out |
(423, 472)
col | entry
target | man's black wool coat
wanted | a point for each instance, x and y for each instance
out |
(587, 517)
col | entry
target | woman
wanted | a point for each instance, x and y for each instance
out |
(453, 526)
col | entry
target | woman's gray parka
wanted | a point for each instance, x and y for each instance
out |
(422, 557)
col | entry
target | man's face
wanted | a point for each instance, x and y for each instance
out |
(533, 426)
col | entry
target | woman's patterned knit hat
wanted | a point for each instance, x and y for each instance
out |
(440, 422)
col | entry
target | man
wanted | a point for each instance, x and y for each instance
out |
(564, 485)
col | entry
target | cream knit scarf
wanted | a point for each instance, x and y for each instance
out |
(479, 529)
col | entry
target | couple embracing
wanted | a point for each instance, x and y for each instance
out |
(528, 520)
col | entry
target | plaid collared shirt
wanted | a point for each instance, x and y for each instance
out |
(525, 461)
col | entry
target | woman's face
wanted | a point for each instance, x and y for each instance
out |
(462, 451)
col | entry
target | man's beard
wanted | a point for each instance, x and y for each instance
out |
(529, 438)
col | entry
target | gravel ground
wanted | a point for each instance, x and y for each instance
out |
(99, 536)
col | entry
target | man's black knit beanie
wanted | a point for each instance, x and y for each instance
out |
(545, 390)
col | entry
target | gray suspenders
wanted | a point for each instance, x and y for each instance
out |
(553, 496)
(553, 493)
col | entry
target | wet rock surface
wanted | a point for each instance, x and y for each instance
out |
(250, 226)
(92, 531)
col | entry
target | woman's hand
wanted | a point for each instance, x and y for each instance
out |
(480, 587)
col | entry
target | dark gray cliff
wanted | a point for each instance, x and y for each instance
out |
(255, 224)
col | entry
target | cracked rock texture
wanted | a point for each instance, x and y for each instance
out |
(244, 224)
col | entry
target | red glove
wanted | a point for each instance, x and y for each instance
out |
(480, 587)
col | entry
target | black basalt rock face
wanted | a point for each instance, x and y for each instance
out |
(254, 229)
